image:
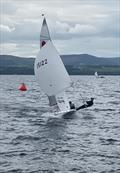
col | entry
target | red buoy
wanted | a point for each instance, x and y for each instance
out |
(23, 87)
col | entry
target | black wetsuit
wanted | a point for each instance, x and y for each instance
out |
(72, 106)
(88, 104)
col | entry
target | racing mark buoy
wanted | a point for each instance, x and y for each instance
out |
(23, 87)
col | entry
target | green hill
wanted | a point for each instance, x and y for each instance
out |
(82, 64)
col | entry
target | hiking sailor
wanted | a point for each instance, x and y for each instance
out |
(72, 106)
(87, 104)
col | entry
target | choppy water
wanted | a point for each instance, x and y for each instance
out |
(86, 142)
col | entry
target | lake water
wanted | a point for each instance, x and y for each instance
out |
(86, 142)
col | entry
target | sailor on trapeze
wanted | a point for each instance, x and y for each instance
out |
(87, 104)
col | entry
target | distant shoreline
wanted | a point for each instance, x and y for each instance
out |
(82, 64)
(33, 75)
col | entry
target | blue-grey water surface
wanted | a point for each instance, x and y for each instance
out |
(86, 142)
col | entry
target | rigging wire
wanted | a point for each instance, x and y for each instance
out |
(73, 86)
(83, 100)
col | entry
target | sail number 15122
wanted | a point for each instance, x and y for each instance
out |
(41, 63)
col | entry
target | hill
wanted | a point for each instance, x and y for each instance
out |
(85, 59)
(75, 64)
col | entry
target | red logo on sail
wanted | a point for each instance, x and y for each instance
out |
(43, 43)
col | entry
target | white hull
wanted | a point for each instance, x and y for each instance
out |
(58, 114)
(72, 111)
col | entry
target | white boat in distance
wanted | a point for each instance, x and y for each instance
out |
(98, 76)
(51, 74)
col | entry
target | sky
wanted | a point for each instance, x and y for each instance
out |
(76, 26)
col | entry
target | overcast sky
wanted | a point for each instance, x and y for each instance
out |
(76, 26)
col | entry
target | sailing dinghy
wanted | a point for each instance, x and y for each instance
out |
(51, 74)
(98, 76)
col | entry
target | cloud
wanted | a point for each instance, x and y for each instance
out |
(71, 23)
(23, 50)
(4, 28)
(83, 29)
(87, 45)
(8, 47)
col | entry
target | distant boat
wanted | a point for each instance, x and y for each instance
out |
(51, 74)
(98, 76)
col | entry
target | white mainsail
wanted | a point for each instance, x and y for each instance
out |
(96, 74)
(50, 71)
